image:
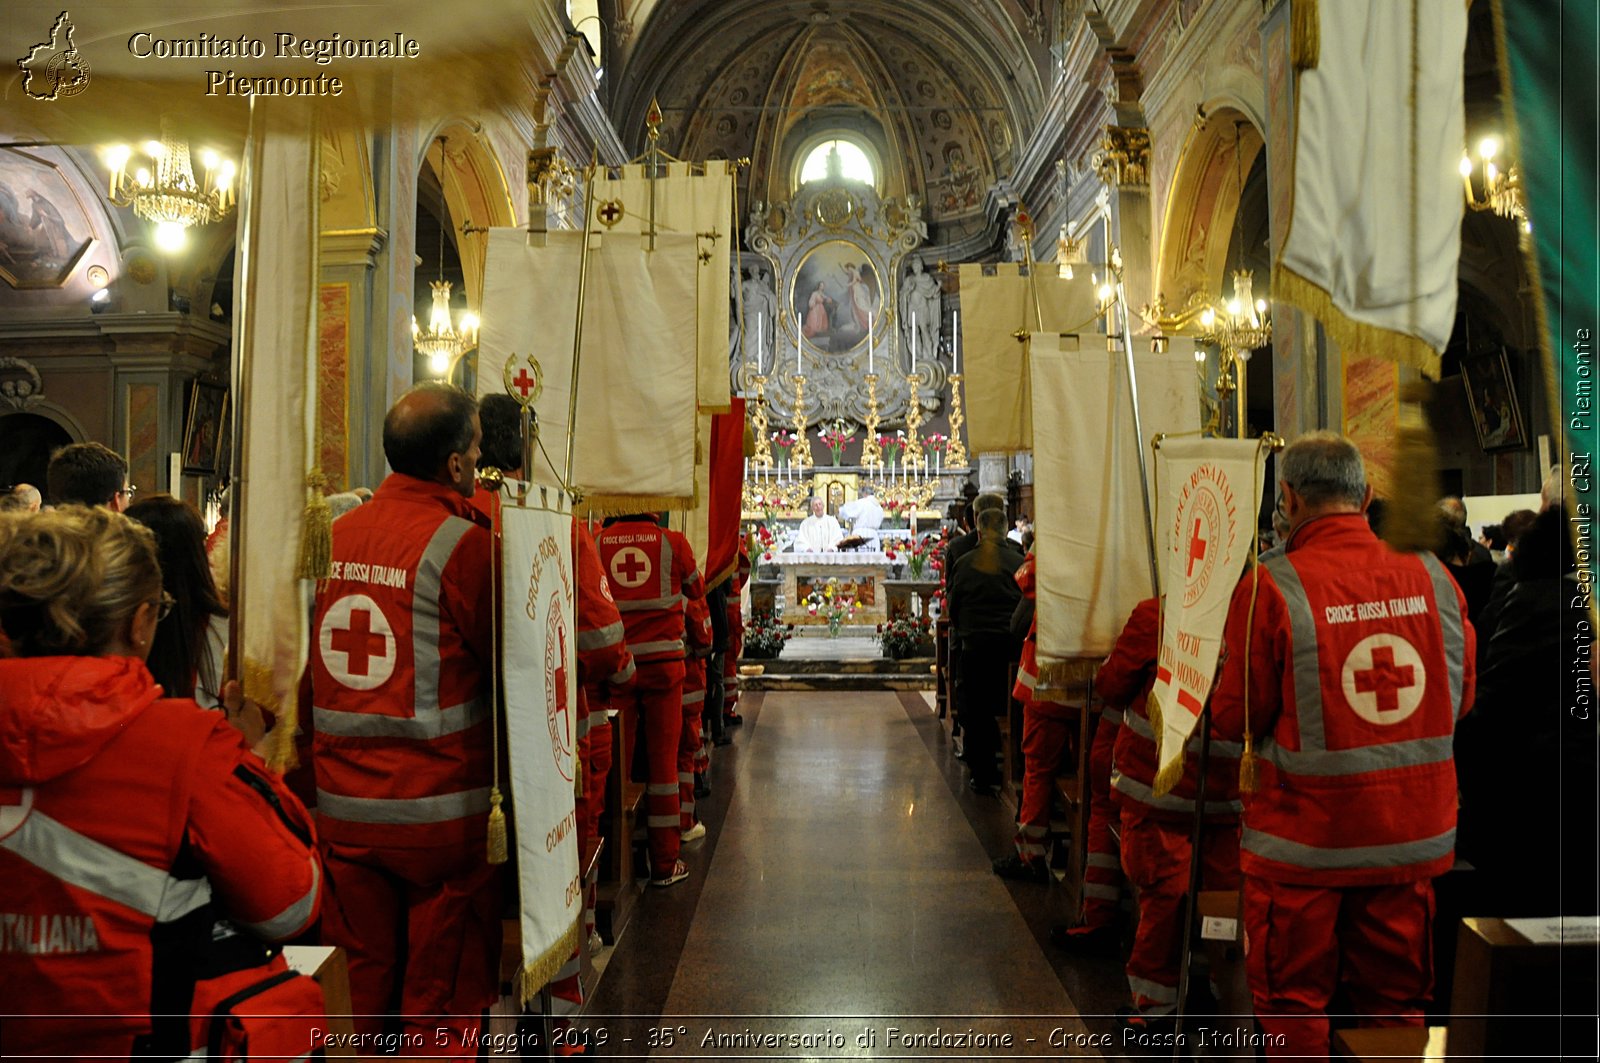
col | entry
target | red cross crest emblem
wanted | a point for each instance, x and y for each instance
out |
(357, 643)
(15, 804)
(524, 382)
(631, 567)
(1201, 536)
(558, 711)
(1384, 679)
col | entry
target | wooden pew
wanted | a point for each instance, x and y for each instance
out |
(328, 965)
(618, 874)
(1072, 791)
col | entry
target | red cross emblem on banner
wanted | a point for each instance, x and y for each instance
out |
(1383, 679)
(610, 212)
(1197, 547)
(524, 386)
(357, 643)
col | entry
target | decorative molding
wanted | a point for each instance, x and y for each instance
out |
(1124, 156)
(20, 384)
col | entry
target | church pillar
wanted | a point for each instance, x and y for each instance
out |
(1123, 163)
(992, 471)
(346, 300)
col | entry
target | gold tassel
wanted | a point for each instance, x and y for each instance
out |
(498, 852)
(1169, 774)
(1061, 676)
(1411, 522)
(256, 682)
(1305, 34)
(1249, 767)
(1349, 334)
(316, 530)
(749, 440)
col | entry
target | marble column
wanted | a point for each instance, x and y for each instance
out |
(992, 470)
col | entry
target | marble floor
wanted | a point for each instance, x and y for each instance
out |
(842, 906)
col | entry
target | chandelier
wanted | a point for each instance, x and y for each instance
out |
(1241, 324)
(165, 192)
(1502, 189)
(444, 342)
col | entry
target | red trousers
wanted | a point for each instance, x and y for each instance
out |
(1044, 740)
(653, 709)
(690, 748)
(421, 922)
(1301, 942)
(1156, 855)
(1102, 876)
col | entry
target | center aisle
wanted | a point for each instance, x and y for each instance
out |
(845, 883)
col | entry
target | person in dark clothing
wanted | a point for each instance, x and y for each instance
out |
(953, 552)
(1473, 575)
(983, 596)
(712, 716)
(1525, 756)
(1513, 528)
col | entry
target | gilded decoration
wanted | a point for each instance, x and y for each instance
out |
(1124, 156)
(840, 255)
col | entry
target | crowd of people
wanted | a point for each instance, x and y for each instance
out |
(112, 682)
(1364, 735)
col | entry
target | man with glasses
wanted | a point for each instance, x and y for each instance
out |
(89, 474)
(1346, 664)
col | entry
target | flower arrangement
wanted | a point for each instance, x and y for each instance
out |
(783, 441)
(766, 542)
(833, 607)
(892, 447)
(906, 636)
(835, 440)
(921, 555)
(764, 636)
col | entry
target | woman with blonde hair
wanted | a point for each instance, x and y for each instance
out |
(129, 823)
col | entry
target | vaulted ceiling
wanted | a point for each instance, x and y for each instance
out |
(946, 93)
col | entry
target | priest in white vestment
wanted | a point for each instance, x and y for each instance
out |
(819, 533)
(865, 517)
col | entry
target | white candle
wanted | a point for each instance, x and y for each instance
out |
(761, 343)
(956, 368)
(797, 320)
(926, 468)
(747, 468)
(913, 343)
(871, 319)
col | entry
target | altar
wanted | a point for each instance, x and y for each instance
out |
(855, 575)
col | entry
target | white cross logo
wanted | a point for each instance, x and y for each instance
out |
(357, 643)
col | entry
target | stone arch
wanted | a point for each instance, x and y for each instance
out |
(29, 437)
(476, 193)
(1197, 224)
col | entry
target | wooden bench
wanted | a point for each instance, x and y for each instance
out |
(618, 876)
(331, 970)
(1072, 793)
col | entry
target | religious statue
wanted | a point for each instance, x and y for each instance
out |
(760, 317)
(920, 300)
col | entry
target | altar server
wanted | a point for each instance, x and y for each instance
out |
(864, 515)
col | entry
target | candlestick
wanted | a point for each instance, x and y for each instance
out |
(958, 450)
(913, 454)
(955, 366)
(871, 453)
(758, 424)
(800, 453)
(797, 326)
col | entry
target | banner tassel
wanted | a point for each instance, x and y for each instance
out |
(1305, 34)
(1249, 767)
(316, 530)
(1169, 774)
(1411, 523)
(498, 851)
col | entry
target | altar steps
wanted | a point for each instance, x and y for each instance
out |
(856, 673)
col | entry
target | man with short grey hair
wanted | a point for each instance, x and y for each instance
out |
(1346, 665)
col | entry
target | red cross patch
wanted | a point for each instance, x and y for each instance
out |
(631, 567)
(1383, 679)
(357, 643)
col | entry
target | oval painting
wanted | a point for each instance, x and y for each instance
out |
(837, 293)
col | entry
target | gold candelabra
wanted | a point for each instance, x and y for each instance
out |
(913, 452)
(767, 495)
(762, 458)
(800, 457)
(910, 494)
(871, 452)
(956, 453)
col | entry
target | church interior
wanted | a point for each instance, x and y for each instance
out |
(811, 281)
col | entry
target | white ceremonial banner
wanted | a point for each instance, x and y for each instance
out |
(1349, 258)
(1090, 546)
(996, 302)
(1208, 491)
(695, 523)
(275, 388)
(539, 671)
(635, 445)
(686, 203)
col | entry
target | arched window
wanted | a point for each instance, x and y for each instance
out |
(837, 159)
(585, 18)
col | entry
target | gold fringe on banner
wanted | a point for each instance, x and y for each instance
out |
(1167, 775)
(534, 976)
(620, 505)
(1412, 520)
(1060, 677)
(316, 530)
(256, 682)
(1349, 334)
(1305, 34)
(749, 440)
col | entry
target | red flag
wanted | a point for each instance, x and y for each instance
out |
(727, 488)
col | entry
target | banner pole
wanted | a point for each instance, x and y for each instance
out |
(1191, 901)
(577, 329)
(1138, 430)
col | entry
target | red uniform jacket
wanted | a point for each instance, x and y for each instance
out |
(1361, 661)
(697, 632)
(1028, 667)
(120, 814)
(400, 663)
(604, 662)
(1126, 679)
(651, 570)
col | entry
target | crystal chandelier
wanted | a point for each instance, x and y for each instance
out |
(444, 342)
(1502, 189)
(1242, 323)
(165, 192)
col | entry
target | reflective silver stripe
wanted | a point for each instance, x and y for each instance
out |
(1409, 754)
(1298, 854)
(425, 611)
(1166, 802)
(1220, 748)
(1032, 830)
(646, 605)
(1161, 994)
(685, 777)
(1105, 860)
(666, 566)
(600, 638)
(289, 921)
(1111, 715)
(440, 808)
(1027, 679)
(1139, 725)
(626, 675)
(662, 821)
(661, 789)
(79, 860)
(1303, 644)
(1455, 643)
(694, 577)
(697, 697)
(1101, 892)
(429, 725)
(638, 648)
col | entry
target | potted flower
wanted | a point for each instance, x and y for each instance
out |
(920, 558)
(782, 441)
(894, 551)
(767, 545)
(830, 605)
(906, 636)
(835, 440)
(764, 636)
(892, 447)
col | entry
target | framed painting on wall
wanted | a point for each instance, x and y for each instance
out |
(1492, 397)
(202, 428)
